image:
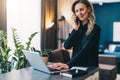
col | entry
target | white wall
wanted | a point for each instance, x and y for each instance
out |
(24, 15)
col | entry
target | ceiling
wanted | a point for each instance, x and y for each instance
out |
(104, 1)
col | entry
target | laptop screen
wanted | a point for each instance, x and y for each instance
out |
(36, 61)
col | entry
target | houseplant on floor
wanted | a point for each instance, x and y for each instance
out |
(5, 64)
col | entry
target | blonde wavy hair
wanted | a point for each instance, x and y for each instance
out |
(91, 15)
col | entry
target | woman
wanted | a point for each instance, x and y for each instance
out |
(84, 38)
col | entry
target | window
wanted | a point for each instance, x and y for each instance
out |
(24, 15)
(116, 31)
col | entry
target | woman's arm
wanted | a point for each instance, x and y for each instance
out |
(70, 40)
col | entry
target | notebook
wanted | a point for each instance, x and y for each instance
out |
(37, 63)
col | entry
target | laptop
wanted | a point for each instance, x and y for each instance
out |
(37, 63)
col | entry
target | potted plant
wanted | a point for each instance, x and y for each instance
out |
(44, 54)
(5, 64)
(18, 60)
(19, 56)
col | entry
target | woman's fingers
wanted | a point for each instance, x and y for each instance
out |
(58, 66)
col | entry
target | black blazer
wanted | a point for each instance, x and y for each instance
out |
(85, 48)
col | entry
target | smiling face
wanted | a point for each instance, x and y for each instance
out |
(81, 11)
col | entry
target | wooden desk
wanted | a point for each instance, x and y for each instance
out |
(31, 74)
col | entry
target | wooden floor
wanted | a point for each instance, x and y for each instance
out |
(118, 77)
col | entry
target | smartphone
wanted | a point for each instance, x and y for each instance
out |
(77, 20)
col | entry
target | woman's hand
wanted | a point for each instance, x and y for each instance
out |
(58, 65)
(76, 24)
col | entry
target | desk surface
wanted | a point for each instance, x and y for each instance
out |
(31, 74)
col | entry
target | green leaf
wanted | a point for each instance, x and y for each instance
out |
(14, 58)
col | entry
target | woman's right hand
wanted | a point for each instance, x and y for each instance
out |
(58, 66)
(76, 24)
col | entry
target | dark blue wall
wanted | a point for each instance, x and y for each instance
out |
(106, 14)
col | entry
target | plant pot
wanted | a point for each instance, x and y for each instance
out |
(45, 59)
